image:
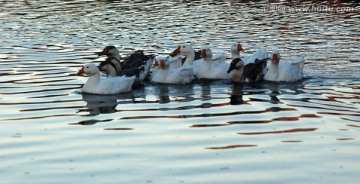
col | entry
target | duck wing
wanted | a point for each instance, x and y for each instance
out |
(135, 62)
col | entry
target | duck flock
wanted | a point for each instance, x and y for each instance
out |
(183, 66)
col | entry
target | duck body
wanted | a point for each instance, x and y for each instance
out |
(236, 70)
(104, 86)
(136, 64)
(254, 66)
(289, 71)
(212, 67)
(181, 74)
(254, 72)
(260, 54)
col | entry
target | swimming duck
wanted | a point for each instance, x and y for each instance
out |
(137, 63)
(253, 67)
(236, 48)
(212, 67)
(111, 66)
(185, 73)
(236, 70)
(289, 71)
(104, 86)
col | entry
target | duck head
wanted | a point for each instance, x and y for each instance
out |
(110, 51)
(236, 48)
(236, 64)
(206, 53)
(275, 57)
(88, 69)
(183, 49)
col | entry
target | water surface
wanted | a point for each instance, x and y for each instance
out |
(205, 132)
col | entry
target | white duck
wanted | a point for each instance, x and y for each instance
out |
(185, 73)
(289, 71)
(217, 58)
(104, 86)
(210, 67)
(236, 48)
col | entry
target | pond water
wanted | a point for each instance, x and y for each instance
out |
(205, 132)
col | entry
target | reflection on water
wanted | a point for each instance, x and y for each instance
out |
(236, 97)
(98, 104)
(205, 132)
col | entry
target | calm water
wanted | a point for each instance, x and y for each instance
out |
(218, 132)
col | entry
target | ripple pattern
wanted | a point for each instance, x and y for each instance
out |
(205, 132)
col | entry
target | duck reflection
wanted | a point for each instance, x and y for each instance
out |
(274, 88)
(236, 97)
(163, 92)
(283, 88)
(183, 93)
(100, 104)
(205, 91)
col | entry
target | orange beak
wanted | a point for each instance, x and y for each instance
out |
(239, 48)
(203, 53)
(162, 63)
(275, 58)
(81, 71)
(175, 52)
(156, 63)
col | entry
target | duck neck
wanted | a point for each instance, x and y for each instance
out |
(207, 59)
(111, 72)
(274, 68)
(235, 54)
(189, 59)
(237, 75)
(93, 79)
(115, 55)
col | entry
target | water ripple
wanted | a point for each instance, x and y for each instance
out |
(205, 131)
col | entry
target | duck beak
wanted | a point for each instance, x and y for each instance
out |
(239, 48)
(175, 52)
(81, 71)
(156, 63)
(203, 53)
(162, 63)
(275, 58)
